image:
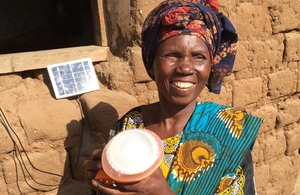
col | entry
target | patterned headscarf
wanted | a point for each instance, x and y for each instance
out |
(192, 17)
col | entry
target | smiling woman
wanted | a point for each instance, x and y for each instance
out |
(181, 68)
(207, 147)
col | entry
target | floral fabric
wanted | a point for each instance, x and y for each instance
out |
(212, 155)
(182, 17)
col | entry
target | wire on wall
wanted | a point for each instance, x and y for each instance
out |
(18, 153)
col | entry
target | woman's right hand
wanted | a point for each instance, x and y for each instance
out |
(92, 166)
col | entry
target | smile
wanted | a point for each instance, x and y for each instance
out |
(183, 85)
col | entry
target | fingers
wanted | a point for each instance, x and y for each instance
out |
(91, 174)
(92, 165)
(107, 189)
(96, 154)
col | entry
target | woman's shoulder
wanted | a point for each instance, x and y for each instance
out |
(226, 114)
(131, 119)
(216, 108)
(211, 108)
(208, 104)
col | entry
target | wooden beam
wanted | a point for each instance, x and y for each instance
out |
(99, 24)
(18, 62)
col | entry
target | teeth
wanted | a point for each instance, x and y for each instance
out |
(183, 85)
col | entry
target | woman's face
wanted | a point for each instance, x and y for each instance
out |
(181, 68)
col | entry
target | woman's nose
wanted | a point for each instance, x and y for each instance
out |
(185, 66)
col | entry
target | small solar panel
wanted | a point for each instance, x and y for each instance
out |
(73, 78)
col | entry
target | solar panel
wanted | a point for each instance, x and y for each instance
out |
(73, 78)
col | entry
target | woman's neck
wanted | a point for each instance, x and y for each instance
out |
(167, 120)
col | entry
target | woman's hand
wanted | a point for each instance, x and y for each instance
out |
(92, 166)
(153, 185)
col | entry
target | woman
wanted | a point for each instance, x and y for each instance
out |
(186, 46)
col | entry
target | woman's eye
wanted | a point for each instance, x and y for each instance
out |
(199, 57)
(172, 56)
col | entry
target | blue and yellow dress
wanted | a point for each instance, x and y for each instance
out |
(213, 153)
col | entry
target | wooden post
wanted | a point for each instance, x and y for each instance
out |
(99, 22)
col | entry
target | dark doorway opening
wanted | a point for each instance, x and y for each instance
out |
(34, 25)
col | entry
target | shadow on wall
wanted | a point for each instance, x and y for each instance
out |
(101, 119)
(97, 124)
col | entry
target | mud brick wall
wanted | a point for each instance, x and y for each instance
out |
(265, 81)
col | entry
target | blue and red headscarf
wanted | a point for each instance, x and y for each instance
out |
(192, 17)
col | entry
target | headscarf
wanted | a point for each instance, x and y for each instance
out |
(192, 17)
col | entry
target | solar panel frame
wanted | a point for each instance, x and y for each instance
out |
(73, 78)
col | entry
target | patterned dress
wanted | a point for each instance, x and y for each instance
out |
(213, 153)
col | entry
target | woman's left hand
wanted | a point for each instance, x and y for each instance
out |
(154, 184)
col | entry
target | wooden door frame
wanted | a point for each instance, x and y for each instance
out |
(18, 62)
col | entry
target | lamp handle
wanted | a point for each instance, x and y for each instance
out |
(102, 176)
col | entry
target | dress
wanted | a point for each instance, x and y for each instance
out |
(213, 153)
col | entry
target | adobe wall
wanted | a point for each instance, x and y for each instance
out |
(265, 81)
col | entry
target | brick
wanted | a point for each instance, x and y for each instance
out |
(255, 15)
(53, 192)
(152, 96)
(23, 188)
(116, 74)
(296, 189)
(247, 91)
(243, 56)
(268, 53)
(79, 171)
(140, 88)
(257, 55)
(143, 8)
(298, 82)
(122, 86)
(274, 145)
(3, 188)
(48, 116)
(9, 98)
(257, 152)
(90, 142)
(6, 144)
(123, 26)
(292, 133)
(74, 188)
(116, 70)
(261, 176)
(225, 97)
(268, 113)
(284, 173)
(37, 89)
(292, 45)
(281, 13)
(137, 65)
(10, 81)
(271, 190)
(293, 66)
(151, 85)
(47, 161)
(281, 83)
(288, 112)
